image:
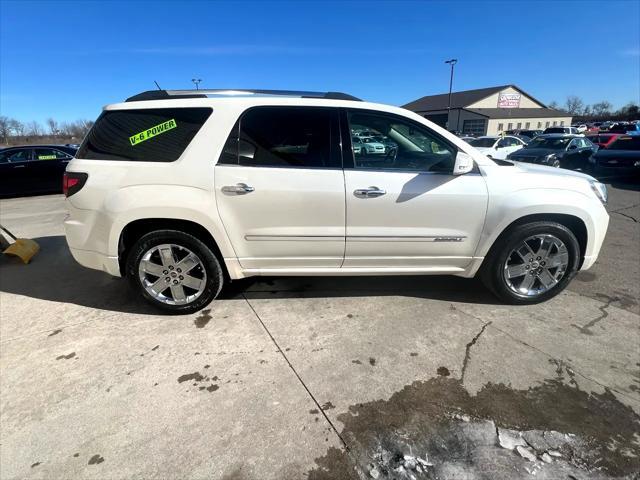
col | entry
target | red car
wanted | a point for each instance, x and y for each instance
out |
(603, 140)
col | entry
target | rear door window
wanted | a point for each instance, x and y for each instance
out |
(145, 135)
(293, 137)
(16, 156)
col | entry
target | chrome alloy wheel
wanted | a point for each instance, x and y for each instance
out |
(536, 265)
(172, 274)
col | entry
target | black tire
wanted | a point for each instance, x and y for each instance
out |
(210, 263)
(492, 269)
(556, 164)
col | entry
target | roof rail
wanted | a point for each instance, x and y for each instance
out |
(175, 94)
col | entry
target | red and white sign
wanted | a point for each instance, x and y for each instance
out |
(509, 100)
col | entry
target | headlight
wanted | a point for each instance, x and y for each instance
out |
(549, 158)
(600, 189)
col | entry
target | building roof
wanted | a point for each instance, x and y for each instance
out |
(518, 112)
(459, 99)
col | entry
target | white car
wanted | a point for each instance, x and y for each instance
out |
(184, 191)
(497, 147)
(370, 146)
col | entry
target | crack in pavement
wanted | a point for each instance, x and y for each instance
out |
(467, 352)
(550, 356)
(619, 212)
(295, 372)
(627, 216)
(586, 329)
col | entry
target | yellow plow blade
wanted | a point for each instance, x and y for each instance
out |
(23, 248)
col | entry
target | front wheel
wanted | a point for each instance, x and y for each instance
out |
(174, 271)
(531, 263)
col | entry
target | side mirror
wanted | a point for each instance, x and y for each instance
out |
(463, 164)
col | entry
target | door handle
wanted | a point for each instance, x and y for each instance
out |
(238, 189)
(19, 166)
(370, 192)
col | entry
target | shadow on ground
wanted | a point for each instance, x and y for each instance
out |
(54, 275)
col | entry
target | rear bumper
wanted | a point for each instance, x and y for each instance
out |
(97, 261)
(87, 233)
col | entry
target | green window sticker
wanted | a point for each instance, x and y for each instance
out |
(152, 132)
(47, 157)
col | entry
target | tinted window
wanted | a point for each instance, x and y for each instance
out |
(482, 142)
(405, 145)
(146, 135)
(554, 143)
(49, 154)
(285, 137)
(21, 155)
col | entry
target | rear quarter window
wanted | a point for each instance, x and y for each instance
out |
(145, 135)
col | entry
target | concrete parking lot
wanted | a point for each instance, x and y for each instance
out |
(397, 377)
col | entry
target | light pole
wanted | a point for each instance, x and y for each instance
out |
(196, 81)
(451, 62)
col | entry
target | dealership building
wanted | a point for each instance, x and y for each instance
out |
(488, 111)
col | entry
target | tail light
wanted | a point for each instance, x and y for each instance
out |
(72, 182)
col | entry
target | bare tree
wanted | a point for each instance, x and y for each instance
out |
(17, 127)
(34, 129)
(5, 128)
(601, 108)
(53, 126)
(574, 105)
(553, 105)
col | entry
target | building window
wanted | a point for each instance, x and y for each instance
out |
(527, 125)
(562, 123)
(519, 125)
(474, 127)
(555, 123)
(509, 126)
(500, 127)
(539, 125)
(546, 125)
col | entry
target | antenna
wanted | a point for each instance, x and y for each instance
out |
(157, 85)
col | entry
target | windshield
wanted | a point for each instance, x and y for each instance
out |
(559, 143)
(626, 143)
(482, 142)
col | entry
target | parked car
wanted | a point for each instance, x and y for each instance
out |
(580, 127)
(624, 128)
(563, 130)
(603, 140)
(370, 146)
(496, 146)
(156, 194)
(622, 157)
(530, 134)
(356, 145)
(467, 139)
(33, 169)
(557, 150)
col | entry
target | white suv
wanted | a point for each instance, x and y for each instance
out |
(182, 191)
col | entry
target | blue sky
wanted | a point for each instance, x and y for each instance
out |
(68, 59)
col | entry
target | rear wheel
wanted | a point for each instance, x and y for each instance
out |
(532, 263)
(174, 271)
